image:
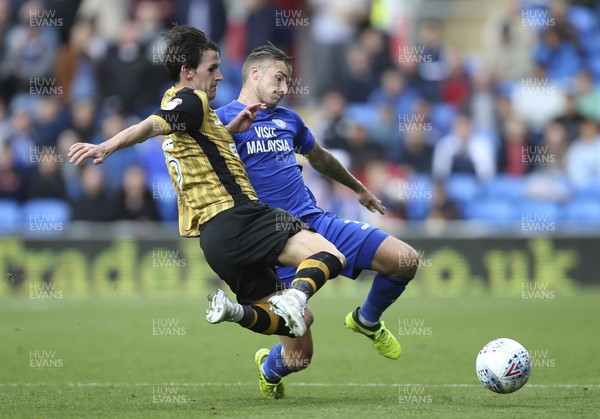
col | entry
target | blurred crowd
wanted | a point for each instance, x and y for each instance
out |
(435, 133)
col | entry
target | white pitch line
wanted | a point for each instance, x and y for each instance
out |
(385, 385)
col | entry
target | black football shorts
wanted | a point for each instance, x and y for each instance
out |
(242, 245)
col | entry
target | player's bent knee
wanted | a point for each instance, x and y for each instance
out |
(409, 267)
(341, 258)
(405, 266)
(334, 260)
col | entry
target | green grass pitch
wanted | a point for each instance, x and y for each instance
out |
(157, 357)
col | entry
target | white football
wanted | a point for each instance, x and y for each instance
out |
(503, 365)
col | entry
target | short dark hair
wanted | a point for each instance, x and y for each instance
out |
(185, 47)
(268, 52)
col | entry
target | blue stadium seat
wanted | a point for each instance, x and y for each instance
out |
(583, 19)
(538, 212)
(505, 187)
(583, 211)
(159, 184)
(591, 43)
(442, 116)
(589, 191)
(492, 210)
(462, 188)
(593, 65)
(45, 216)
(9, 216)
(419, 197)
(363, 114)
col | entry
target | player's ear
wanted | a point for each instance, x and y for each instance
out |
(255, 72)
(187, 72)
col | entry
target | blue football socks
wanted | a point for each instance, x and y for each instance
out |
(384, 291)
(274, 368)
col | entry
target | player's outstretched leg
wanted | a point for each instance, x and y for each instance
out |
(316, 259)
(314, 271)
(271, 388)
(311, 275)
(258, 317)
(290, 305)
(396, 264)
(383, 340)
(289, 356)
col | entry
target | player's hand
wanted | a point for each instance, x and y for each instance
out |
(245, 118)
(78, 152)
(370, 201)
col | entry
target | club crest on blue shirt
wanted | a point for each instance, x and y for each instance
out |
(280, 123)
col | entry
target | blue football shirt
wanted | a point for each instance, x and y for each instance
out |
(268, 150)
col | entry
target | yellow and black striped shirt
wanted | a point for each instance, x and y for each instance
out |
(203, 163)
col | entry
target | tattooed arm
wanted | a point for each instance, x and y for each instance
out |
(325, 163)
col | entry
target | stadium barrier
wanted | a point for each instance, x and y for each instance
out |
(125, 264)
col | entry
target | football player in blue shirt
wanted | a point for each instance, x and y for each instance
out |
(268, 150)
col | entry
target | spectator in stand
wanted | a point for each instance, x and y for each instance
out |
(262, 27)
(95, 202)
(333, 27)
(558, 55)
(46, 180)
(393, 91)
(376, 43)
(571, 118)
(416, 155)
(83, 122)
(334, 127)
(22, 137)
(432, 58)
(420, 117)
(51, 120)
(7, 87)
(384, 132)
(463, 151)
(69, 172)
(150, 17)
(566, 30)
(30, 50)
(135, 201)
(4, 122)
(385, 180)
(357, 79)
(455, 89)
(67, 10)
(108, 20)
(12, 175)
(127, 59)
(508, 42)
(539, 93)
(362, 150)
(547, 181)
(444, 209)
(588, 96)
(483, 101)
(115, 168)
(583, 156)
(514, 146)
(208, 15)
(77, 60)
